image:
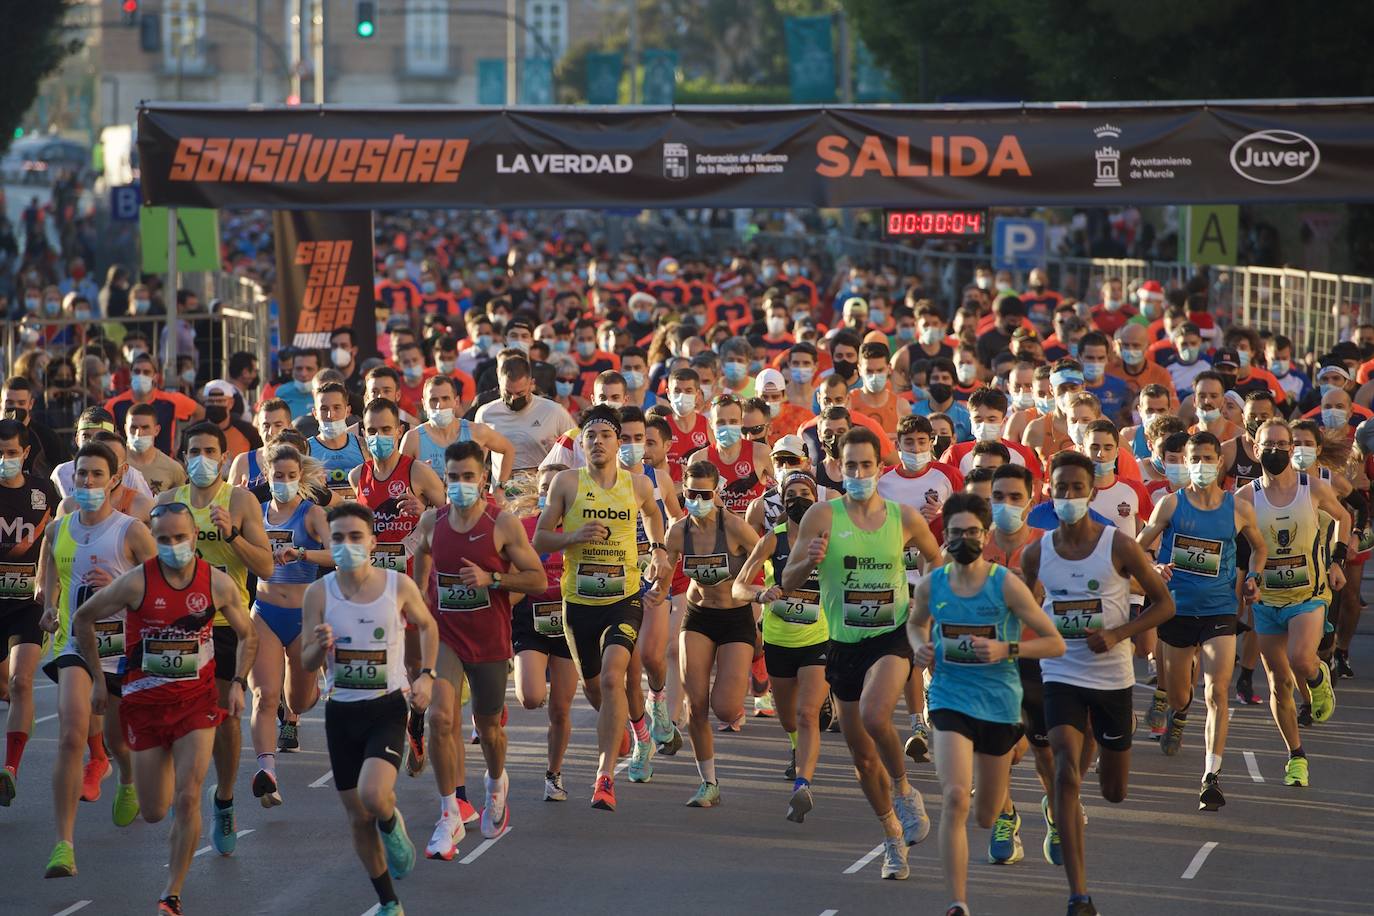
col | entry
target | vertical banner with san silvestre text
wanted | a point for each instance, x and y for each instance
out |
(324, 277)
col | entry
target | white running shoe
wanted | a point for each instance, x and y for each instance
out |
(448, 833)
(495, 813)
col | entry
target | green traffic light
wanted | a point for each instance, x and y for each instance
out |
(365, 29)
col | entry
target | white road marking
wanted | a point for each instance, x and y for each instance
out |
(829, 912)
(372, 910)
(864, 860)
(1195, 866)
(486, 844)
(1253, 766)
(79, 905)
(322, 781)
(40, 721)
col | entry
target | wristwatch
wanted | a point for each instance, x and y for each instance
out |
(233, 533)
(429, 671)
(241, 681)
(655, 545)
(496, 580)
(1013, 649)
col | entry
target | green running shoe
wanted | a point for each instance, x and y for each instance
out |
(1295, 774)
(8, 789)
(707, 796)
(400, 852)
(1323, 696)
(62, 864)
(391, 909)
(125, 805)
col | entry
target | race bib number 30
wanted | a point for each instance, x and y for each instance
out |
(870, 607)
(389, 556)
(17, 579)
(1200, 556)
(109, 638)
(600, 580)
(1078, 619)
(171, 658)
(360, 669)
(1286, 572)
(548, 618)
(956, 641)
(454, 596)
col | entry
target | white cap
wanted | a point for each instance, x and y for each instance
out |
(769, 377)
(789, 445)
(220, 387)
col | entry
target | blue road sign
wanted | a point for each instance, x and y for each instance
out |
(1018, 244)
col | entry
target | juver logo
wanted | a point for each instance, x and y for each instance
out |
(1275, 157)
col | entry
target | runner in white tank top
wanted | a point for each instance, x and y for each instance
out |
(1081, 572)
(353, 623)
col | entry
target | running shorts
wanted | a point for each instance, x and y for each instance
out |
(1185, 632)
(150, 725)
(590, 628)
(849, 662)
(1113, 719)
(1033, 702)
(722, 625)
(486, 680)
(1273, 621)
(787, 661)
(991, 738)
(358, 729)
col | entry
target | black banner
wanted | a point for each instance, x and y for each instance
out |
(882, 156)
(324, 277)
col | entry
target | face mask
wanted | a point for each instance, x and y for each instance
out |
(381, 448)
(700, 508)
(966, 373)
(1202, 475)
(202, 471)
(1112, 305)
(340, 357)
(931, 336)
(1208, 415)
(876, 316)
(860, 487)
(1077, 431)
(1189, 354)
(1022, 400)
(428, 287)
(177, 556)
(1044, 405)
(559, 345)
(522, 345)
(734, 372)
(455, 284)
(983, 282)
(939, 392)
(914, 461)
(1103, 469)
(845, 368)
(631, 454)
(803, 375)
(52, 307)
(82, 314)
(1009, 519)
(727, 436)
(283, 491)
(906, 333)
(707, 390)
(463, 495)
(442, 417)
(32, 304)
(142, 306)
(11, 468)
(216, 414)
(90, 499)
(585, 348)
(1334, 417)
(516, 402)
(1176, 474)
(1274, 460)
(774, 408)
(188, 376)
(1304, 456)
(987, 432)
(875, 383)
(1093, 372)
(1070, 510)
(484, 341)
(642, 316)
(349, 556)
(942, 444)
(1279, 367)
(1131, 356)
(333, 429)
(777, 326)
(1244, 356)
(445, 366)
(964, 550)
(831, 446)
(797, 506)
(141, 384)
(562, 388)
(399, 274)
(682, 403)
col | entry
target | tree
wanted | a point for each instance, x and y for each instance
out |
(33, 44)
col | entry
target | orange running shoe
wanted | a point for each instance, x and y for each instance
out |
(626, 743)
(92, 775)
(604, 796)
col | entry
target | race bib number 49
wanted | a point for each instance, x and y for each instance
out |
(956, 641)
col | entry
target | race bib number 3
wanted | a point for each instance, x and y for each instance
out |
(454, 596)
(1078, 619)
(360, 669)
(171, 658)
(1200, 556)
(956, 641)
(600, 580)
(548, 617)
(17, 579)
(706, 569)
(1286, 572)
(109, 638)
(870, 607)
(389, 556)
(801, 606)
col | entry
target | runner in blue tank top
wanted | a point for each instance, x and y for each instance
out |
(1198, 528)
(966, 620)
(335, 447)
(443, 427)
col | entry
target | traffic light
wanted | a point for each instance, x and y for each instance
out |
(129, 9)
(367, 18)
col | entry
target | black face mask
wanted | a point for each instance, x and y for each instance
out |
(516, 402)
(216, 414)
(1252, 427)
(845, 368)
(17, 414)
(797, 506)
(964, 550)
(942, 444)
(939, 392)
(1228, 382)
(1274, 460)
(831, 444)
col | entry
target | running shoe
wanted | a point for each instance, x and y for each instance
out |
(169, 906)
(448, 833)
(1323, 696)
(763, 705)
(415, 743)
(707, 796)
(1173, 736)
(641, 765)
(1245, 694)
(1082, 907)
(265, 789)
(911, 811)
(467, 812)
(391, 909)
(125, 805)
(1004, 846)
(222, 832)
(288, 738)
(956, 910)
(800, 805)
(1054, 852)
(1305, 715)
(495, 812)
(894, 859)
(92, 775)
(1157, 717)
(603, 796)
(918, 745)
(791, 771)
(1295, 774)
(400, 851)
(660, 723)
(62, 862)
(8, 788)
(731, 726)
(826, 717)
(674, 744)
(1210, 799)
(553, 788)
(627, 740)
(1340, 666)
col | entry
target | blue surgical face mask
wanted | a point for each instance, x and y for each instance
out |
(484, 341)
(1176, 474)
(906, 333)
(1189, 354)
(1334, 417)
(141, 384)
(1104, 468)
(860, 487)
(562, 388)
(1132, 356)
(441, 417)
(11, 468)
(728, 436)
(914, 461)
(1022, 400)
(428, 287)
(682, 403)
(413, 373)
(642, 316)
(202, 471)
(700, 508)
(283, 491)
(1209, 415)
(1009, 519)
(1044, 405)
(1244, 356)
(1279, 367)
(631, 454)
(463, 495)
(875, 383)
(1070, 510)
(89, 498)
(734, 372)
(1093, 372)
(931, 336)
(333, 429)
(633, 380)
(987, 432)
(560, 345)
(349, 556)
(585, 348)
(1202, 475)
(381, 447)
(803, 375)
(177, 556)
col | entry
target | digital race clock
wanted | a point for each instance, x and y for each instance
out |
(934, 223)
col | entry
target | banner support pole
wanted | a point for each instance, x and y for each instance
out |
(169, 299)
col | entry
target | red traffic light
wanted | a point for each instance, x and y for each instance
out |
(130, 6)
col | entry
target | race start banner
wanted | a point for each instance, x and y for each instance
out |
(324, 277)
(345, 158)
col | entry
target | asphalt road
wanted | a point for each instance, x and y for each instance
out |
(1270, 850)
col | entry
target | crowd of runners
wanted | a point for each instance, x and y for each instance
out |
(693, 490)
